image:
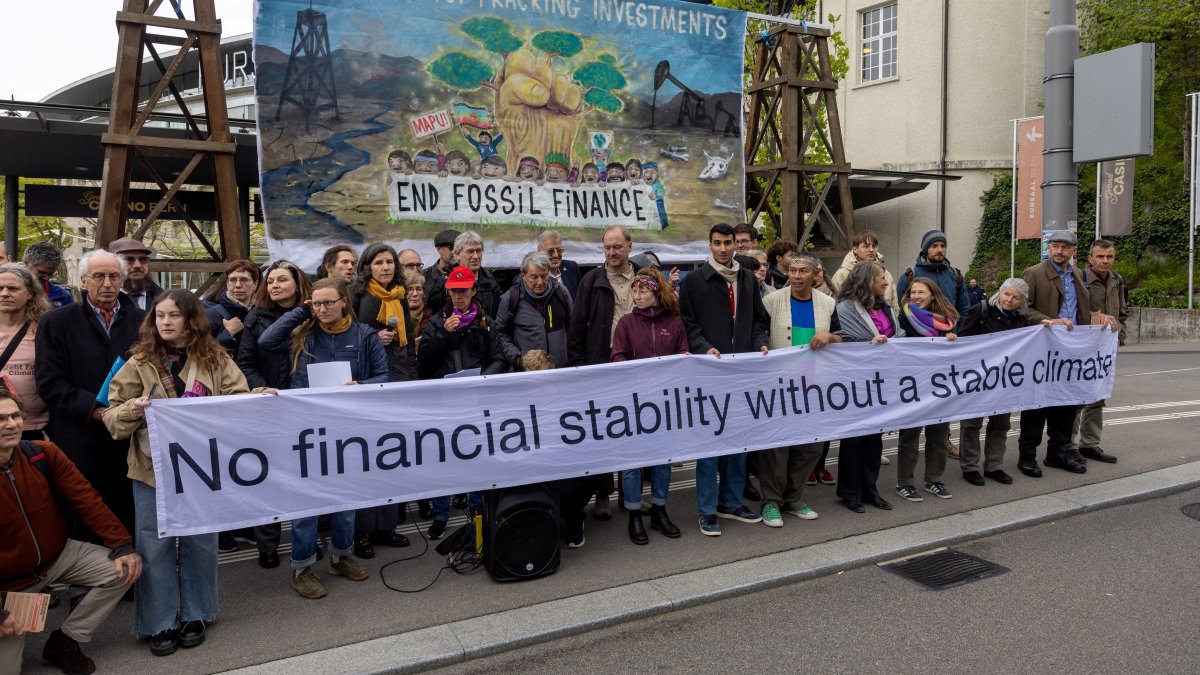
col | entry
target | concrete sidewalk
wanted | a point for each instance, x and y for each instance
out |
(493, 633)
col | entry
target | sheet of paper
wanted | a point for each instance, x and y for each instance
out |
(330, 374)
(28, 609)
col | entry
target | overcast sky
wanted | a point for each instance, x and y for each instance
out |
(48, 44)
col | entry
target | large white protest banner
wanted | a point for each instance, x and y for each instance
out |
(235, 461)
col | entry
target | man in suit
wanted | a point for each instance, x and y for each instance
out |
(1057, 296)
(76, 348)
(566, 272)
(723, 311)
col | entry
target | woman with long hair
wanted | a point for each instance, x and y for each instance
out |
(322, 330)
(377, 297)
(652, 329)
(864, 315)
(1005, 310)
(23, 303)
(283, 287)
(175, 357)
(926, 313)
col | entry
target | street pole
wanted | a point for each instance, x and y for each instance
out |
(1192, 207)
(1060, 189)
(1012, 239)
(1098, 165)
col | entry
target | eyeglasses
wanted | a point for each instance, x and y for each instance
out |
(413, 266)
(324, 304)
(240, 281)
(11, 417)
(559, 251)
(143, 259)
(866, 245)
(100, 278)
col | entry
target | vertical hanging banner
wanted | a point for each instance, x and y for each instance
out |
(1031, 134)
(1116, 197)
(390, 120)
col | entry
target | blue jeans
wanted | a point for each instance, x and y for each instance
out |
(631, 485)
(304, 538)
(733, 481)
(441, 505)
(165, 596)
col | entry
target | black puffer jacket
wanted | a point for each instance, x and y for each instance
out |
(227, 308)
(444, 352)
(262, 368)
(402, 361)
(983, 319)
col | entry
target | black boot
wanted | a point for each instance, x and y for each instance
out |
(637, 531)
(63, 652)
(659, 521)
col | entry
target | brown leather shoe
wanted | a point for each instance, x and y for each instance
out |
(64, 653)
(951, 450)
(1098, 454)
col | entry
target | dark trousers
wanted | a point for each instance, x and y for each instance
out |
(1058, 421)
(266, 537)
(858, 467)
(573, 495)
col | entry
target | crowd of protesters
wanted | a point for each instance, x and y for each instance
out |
(79, 373)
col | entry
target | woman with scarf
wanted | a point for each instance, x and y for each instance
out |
(418, 312)
(1005, 310)
(323, 330)
(175, 357)
(652, 329)
(457, 338)
(284, 286)
(926, 313)
(533, 314)
(864, 316)
(378, 300)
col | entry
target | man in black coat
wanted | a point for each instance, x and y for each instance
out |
(565, 272)
(76, 348)
(468, 250)
(605, 295)
(139, 285)
(723, 311)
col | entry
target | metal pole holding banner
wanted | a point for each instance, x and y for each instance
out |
(1060, 185)
(1192, 204)
(1012, 239)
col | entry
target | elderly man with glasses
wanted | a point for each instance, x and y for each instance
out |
(77, 346)
(565, 272)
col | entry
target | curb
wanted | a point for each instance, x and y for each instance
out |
(461, 641)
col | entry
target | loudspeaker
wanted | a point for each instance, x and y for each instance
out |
(520, 527)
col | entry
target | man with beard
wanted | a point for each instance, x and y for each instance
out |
(932, 263)
(139, 287)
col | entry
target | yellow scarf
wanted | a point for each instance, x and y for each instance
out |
(338, 327)
(391, 304)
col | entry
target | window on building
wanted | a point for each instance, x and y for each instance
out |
(879, 43)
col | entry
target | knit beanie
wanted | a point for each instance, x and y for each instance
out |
(929, 238)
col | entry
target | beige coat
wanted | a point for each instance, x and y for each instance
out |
(779, 306)
(1046, 294)
(134, 380)
(848, 263)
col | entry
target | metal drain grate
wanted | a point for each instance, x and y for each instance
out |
(1191, 511)
(944, 569)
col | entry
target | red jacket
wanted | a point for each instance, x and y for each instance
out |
(33, 531)
(645, 333)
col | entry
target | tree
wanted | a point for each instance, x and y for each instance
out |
(37, 228)
(537, 103)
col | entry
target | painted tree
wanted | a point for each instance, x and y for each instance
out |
(538, 102)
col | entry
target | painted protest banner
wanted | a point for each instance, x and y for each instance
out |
(1031, 142)
(1116, 198)
(307, 452)
(359, 100)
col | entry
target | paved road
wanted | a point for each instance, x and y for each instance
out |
(263, 620)
(1113, 591)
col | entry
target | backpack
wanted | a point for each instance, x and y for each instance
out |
(37, 458)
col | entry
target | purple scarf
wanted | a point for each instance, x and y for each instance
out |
(465, 318)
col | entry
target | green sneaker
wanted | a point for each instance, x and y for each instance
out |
(770, 515)
(348, 567)
(803, 512)
(308, 584)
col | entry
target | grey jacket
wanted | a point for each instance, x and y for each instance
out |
(856, 324)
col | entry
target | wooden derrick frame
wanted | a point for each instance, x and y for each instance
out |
(125, 143)
(792, 82)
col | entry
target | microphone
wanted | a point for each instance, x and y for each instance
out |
(393, 322)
